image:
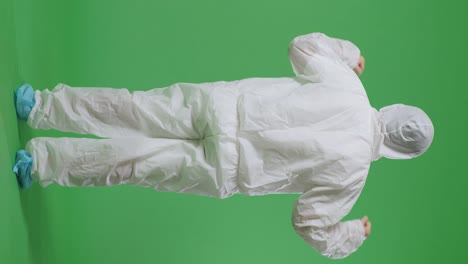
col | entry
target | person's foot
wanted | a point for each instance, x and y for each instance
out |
(22, 168)
(24, 101)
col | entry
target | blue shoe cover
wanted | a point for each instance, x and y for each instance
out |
(22, 169)
(24, 101)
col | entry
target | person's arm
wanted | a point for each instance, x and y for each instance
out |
(310, 53)
(317, 215)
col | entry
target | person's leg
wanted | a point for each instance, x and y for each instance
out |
(170, 165)
(182, 110)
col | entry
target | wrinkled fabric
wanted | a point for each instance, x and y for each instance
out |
(22, 169)
(167, 139)
(169, 165)
(24, 101)
(407, 130)
(311, 134)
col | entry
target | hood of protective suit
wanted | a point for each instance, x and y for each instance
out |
(405, 132)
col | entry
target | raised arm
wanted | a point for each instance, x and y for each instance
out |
(316, 53)
(317, 215)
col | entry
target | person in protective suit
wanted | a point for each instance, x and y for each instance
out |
(314, 134)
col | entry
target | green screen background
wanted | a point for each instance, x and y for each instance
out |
(416, 54)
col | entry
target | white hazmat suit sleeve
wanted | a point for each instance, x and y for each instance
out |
(316, 53)
(316, 218)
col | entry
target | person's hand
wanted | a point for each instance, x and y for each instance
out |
(359, 68)
(367, 225)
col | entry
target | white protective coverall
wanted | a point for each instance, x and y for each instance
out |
(314, 134)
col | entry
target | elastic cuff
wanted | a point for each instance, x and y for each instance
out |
(360, 228)
(32, 122)
(352, 52)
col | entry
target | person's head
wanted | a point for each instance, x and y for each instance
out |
(407, 130)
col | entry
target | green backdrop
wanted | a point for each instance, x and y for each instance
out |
(416, 54)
